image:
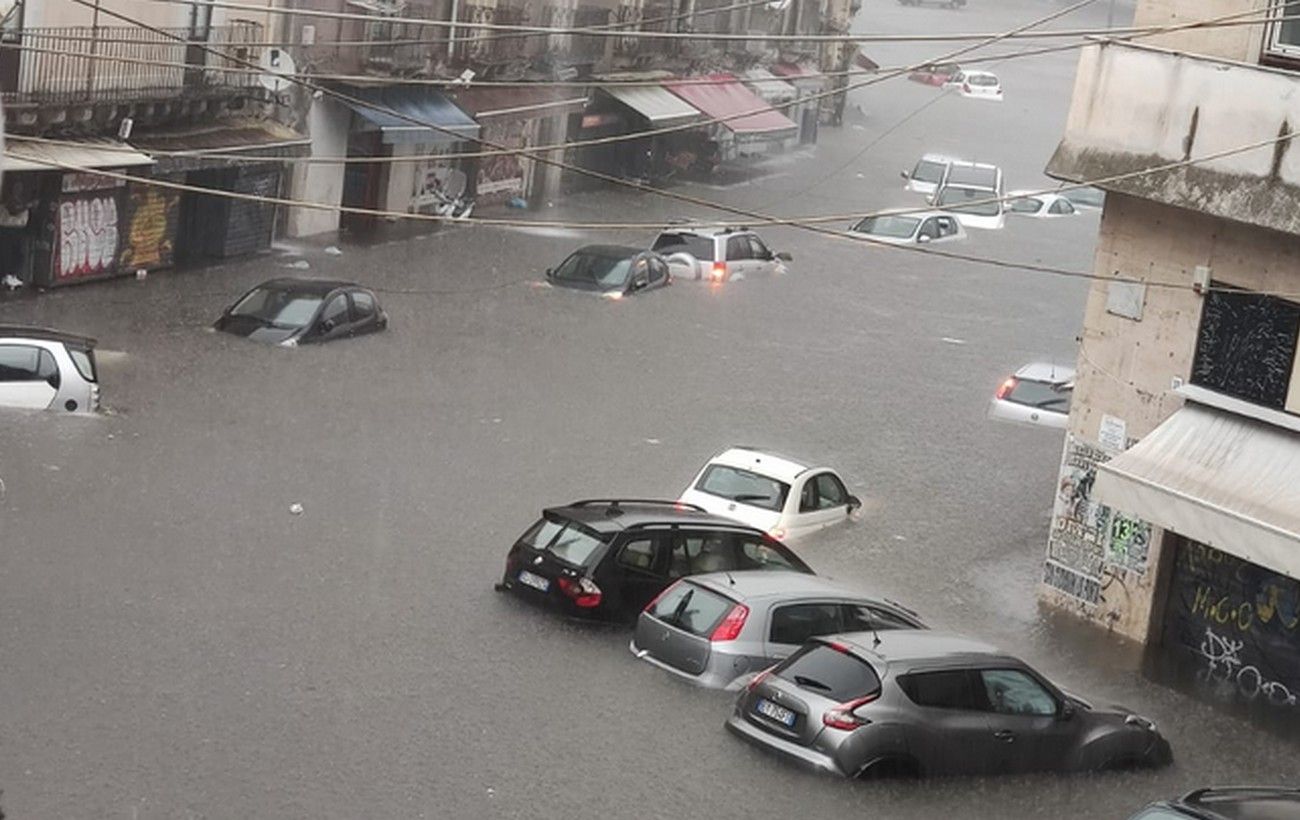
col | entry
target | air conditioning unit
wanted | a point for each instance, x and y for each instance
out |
(307, 36)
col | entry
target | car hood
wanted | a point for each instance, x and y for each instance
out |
(255, 329)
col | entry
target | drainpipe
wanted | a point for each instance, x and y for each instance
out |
(94, 48)
(451, 30)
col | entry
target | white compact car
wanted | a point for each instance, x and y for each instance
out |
(910, 228)
(977, 85)
(1039, 205)
(782, 497)
(927, 175)
(42, 369)
(1038, 394)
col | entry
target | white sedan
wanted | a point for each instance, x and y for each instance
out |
(911, 228)
(978, 85)
(1039, 205)
(780, 496)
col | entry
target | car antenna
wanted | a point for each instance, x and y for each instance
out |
(730, 580)
(875, 634)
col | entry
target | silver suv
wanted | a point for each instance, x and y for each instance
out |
(717, 254)
(44, 369)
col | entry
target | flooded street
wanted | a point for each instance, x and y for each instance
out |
(177, 642)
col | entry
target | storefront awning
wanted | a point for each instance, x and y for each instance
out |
(662, 108)
(1216, 477)
(257, 137)
(724, 98)
(768, 86)
(28, 155)
(801, 76)
(416, 106)
(518, 103)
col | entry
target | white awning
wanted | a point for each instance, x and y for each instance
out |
(1225, 480)
(661, 107)
(26, 155)
(770, 87)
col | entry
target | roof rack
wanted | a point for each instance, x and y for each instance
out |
(657, 502)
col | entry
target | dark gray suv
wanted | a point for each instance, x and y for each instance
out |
(914, 702)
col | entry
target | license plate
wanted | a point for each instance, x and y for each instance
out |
(535, 581)
(778, 713)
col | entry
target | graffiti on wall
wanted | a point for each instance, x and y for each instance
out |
(150, 235)
(1088, 539)
(88, 235)
(502, 175)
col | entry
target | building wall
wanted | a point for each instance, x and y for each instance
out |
(1126, 367)
(1229, 42)
(327, 124)
(164, 15)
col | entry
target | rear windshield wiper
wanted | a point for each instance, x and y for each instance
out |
(811, 683)
(750, 497)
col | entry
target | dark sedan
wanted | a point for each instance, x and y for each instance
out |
(290, 312)
(613, 271)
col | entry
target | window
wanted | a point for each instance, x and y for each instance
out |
(738, 248)
(25, 363)
(691, 608)
(829, 672)
(1284, 35)
(336, 312)
(698, 246)
(755, 554)
(865, 618)
(540, 535)
(1024, 205)
(658, 270)
(930, 229)
(830, 492)
(947, 226)
(1012, 692)
(741, 485)
(1246, 346)
(757, 249)
(960, 199)
(638, 554)
(85, 362)
(278, 308)
(602, 270)
(363, 305)
(1054, 397)
(951, 689)
(897, 227)
(1061, 206)
(697, 554)
(928, 170)
(565, 541)
(796, 623)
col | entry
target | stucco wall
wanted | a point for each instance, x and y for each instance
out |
(1230, 42)
(1126, 367)
(50, 13)
(327, 124)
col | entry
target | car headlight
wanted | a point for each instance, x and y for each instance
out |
(290, 342)
(1141, 722)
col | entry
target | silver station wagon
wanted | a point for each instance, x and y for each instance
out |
(717, 630)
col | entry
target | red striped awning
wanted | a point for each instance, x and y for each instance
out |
(724, 97)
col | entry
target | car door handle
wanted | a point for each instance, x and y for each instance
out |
(1005, 735)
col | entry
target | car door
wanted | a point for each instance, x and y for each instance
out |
(636, 568)
(1026, 721)
(947, 227)
(365, 313)
(823, 501)
(658, 272)
(739, 257)
(929, 230)
(29, 376)
(791, 625)
(765, 261)
(334, 321)
(947, 731)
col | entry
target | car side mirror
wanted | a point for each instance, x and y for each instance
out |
(922, 239)
(639, 282)
(550, 273)
(855, 503)
(53, 380)
(1067, 712)
(326, 325)
(904, 175)
(785, 256)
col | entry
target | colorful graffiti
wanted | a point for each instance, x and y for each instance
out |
(150, 235)
(88, 235)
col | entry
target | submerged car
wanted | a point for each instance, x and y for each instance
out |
(933, 73)
(718, 254)
(928, 173)
(978, 85)
(44, 369)
(778, 495)
(910, 228)
(1233, 803)
(1037, 394)
(613, 271)
(1040, 205)
(974, 207)
(716, 630)
(290, 312)
(608, 558)
(920, 703)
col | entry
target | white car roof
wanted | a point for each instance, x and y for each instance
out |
(981, 74)
(1046, 197)
(938, 158)
(757, 461)
(701, 230)
(1046, 372)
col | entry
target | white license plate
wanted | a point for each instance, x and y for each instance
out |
(778, 713)
(535, 581)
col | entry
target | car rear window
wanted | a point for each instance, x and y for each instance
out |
(743, 486)
(979, 176)
(565, 540)
(981, 79)
(927, 171)
(692, 609)
(820, 668)
(698, 246)
(956, 199)
(85, 361)
(1041, 395)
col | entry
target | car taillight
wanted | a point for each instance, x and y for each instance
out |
(842, 717)
(777, 532)
(719, 271)
(731, 625)
(759, 678)
(583, 591)
(1006, 387)
(661, 594)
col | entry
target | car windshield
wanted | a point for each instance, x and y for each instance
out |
(1042, 395)
(1093, 197)
(829, 672)
(278, 307)
(898, 227)
(698, 246)
(928, 171)
(976, 176)
(566, 540)
(735, 484)
(956, 200)
(605, 270)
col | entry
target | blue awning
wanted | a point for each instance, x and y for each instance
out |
(420, 105)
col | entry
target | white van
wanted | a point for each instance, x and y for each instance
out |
(972, 192)
(42, 369)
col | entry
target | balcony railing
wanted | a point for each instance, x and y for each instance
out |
(82, 64)
(484, 45)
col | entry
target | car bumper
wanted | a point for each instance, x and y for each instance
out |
(802, 756)
(708, 679)
(553, 602)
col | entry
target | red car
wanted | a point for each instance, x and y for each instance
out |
(934, 74)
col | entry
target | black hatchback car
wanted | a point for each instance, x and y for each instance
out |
(1236, 803)
(608, 558)
(611, 270)
(289, 312)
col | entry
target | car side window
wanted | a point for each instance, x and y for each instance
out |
(755, 554)
(947, 226)
(1025, 205)
(638, 554)
(658, 270)
(1013, 692)
(949, 689)
(1061, 206)
(808, 496)
(696, 554)
(336, 311)
(363, 305)
(737, 248)
(830, 492)
(796, 623)
(929, 228)
(758, 249)
(863, 618)
(26, 363)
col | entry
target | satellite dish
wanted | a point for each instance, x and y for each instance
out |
(277, 66)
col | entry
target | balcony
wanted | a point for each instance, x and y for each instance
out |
(73, 66)
(485, 46)
(651, 17)
(1137, 106)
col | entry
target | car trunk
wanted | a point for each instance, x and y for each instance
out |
(677, 628)
(672, 645)
(785, 710)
